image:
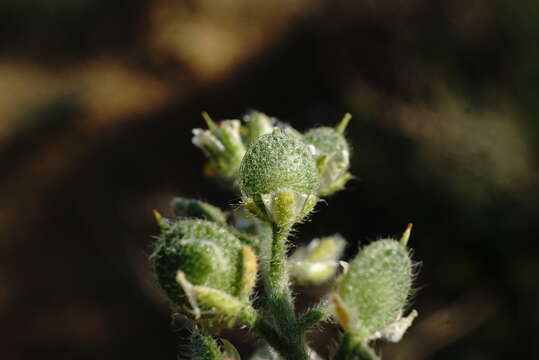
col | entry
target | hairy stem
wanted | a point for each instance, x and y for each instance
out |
(280, 299)
(249, 317)
(350, 349)
(313, 316)
(278, 274)
(204, 347)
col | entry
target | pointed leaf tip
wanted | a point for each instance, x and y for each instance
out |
(406, 234)
(158, 217)
(344, 123)
(209, 122)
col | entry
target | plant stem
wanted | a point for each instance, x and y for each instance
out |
(313, 316)
(280, 299)
(250, 318)
(278, 274)
(350, 349)
(204, 347)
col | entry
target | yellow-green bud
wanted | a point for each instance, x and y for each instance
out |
(278, 179)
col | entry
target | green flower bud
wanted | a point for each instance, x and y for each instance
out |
(197, 209)
(318, 262)
(332, 155)
(278, 179)
(258, 124)
(374, 291)
(223, 146)
(203, 268)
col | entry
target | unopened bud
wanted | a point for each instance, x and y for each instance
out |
(278, 179)
(193, 253)
(332, 155)
(375, 290)
(222, 144)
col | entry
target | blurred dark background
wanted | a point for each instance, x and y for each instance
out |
(98, 99)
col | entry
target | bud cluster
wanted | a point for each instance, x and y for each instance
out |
(225, 144)
(207, 261)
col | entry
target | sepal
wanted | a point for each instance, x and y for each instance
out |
(394, 331)
(218, 301)
(286, 207)
(249, 275)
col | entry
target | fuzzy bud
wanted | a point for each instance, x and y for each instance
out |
(332, 154)
(201, 265)
(278, 179)
(374, 291)
(223, 145)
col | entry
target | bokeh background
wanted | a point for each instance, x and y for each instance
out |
(98, 99)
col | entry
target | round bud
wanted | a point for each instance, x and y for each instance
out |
(332, 154)
(375, 289)
(278, 175)
(191, 253)
(275, 162)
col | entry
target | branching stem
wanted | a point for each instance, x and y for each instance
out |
(249, 317)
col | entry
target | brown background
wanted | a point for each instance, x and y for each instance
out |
(97, 101)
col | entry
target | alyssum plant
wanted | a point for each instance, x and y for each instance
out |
(208, 261)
